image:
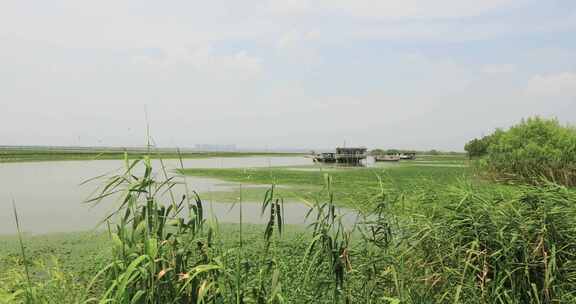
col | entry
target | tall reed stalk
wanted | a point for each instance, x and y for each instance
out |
(29, 291)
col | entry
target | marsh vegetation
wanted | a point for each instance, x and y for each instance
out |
(431, 231)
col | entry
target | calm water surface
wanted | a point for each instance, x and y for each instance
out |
(49, 196)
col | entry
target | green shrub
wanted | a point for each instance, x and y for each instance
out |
(534, 150)
(478, 147)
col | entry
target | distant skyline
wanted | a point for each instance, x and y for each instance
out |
(414, 74)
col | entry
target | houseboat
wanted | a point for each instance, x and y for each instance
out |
(349, 156)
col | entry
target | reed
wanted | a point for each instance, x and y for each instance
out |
(28, 291)
(467, 242)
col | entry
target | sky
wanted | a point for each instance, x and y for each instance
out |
(413, 74)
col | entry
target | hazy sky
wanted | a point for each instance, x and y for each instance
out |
(282, 73)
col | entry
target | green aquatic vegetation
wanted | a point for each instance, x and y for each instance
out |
(352, 187)
(440, 237)
(49, 283)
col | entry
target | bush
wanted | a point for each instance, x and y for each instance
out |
(534, 150)
(478, 147)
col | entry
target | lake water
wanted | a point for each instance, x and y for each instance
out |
(49, 197)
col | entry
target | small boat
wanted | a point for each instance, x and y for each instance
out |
(389, 158)
(408, 156)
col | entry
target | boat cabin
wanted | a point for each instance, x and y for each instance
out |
(350, 156)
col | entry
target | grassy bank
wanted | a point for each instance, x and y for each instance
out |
(32, 155)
